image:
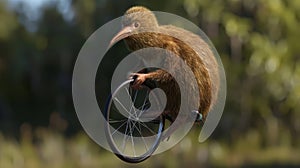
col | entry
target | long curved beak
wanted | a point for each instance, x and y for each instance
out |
(125, 32)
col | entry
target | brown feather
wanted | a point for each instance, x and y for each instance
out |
(193, 50)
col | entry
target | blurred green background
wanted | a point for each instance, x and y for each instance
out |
(258, 41)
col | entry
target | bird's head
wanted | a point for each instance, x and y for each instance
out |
(136, 20)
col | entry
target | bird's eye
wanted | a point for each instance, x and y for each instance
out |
(136, 24)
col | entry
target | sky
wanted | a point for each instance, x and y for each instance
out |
(32, 3)
(34, 8)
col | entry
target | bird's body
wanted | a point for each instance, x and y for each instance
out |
(144, 32)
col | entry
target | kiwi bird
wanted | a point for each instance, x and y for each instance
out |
(140, 29)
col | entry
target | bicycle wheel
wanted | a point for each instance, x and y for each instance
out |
(131, 135)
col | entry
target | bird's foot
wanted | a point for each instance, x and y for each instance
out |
(197, 116)
(139, 79)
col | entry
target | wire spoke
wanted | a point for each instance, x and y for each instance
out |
(142, 106)
(122, 106)
(126, 127)
(135, 95)
(140, 132)
(132, 142)
(118, 128)
(116, 121)
(148, 128)
(125, 137)
(132, 102)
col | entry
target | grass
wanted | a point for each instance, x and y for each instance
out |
(46, 148)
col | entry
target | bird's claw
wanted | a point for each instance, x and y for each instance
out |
(139, 79)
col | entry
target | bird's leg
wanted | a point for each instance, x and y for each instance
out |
(173, 127)
(158, 75)
(139, 79)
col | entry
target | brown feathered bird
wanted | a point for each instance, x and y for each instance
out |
(141, 30)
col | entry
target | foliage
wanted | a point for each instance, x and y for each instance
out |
(257, 41)
(43, 147)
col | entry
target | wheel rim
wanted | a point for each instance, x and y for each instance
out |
(132, 137)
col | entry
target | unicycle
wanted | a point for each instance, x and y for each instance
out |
(133, 128)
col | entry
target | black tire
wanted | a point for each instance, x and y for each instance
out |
(116, 130)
